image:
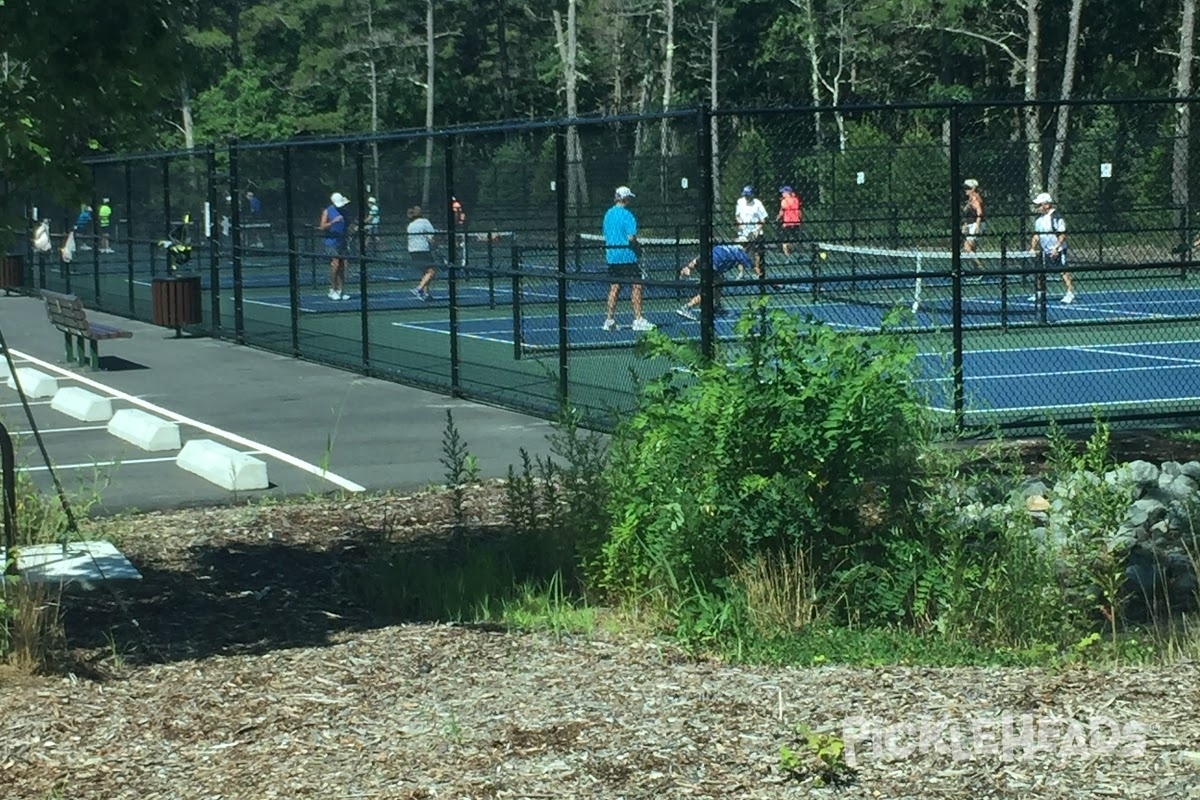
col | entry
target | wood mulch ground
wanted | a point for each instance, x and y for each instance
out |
(240, 669)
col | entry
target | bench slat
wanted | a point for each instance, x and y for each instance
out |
(67, 313)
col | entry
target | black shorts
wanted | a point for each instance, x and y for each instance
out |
(790, 234)
(626, 272)
(422, 259)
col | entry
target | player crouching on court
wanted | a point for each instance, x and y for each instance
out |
(724, 258)
(1050, 239)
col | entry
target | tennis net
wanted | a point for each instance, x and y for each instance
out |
(914, 277)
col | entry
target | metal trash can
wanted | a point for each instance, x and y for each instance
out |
(176, 302)
(12, 273)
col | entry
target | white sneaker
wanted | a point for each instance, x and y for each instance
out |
(610, 324)
(334, 295)
(343, 296)
(686, 313)
(1069, 297)
(1033, 298)
(642, 324)
(417, 293)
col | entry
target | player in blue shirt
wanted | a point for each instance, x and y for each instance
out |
(621, 258)
(724, 258)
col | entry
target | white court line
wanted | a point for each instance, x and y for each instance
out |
(1060, 373)
(286, 458)
(1088, 349)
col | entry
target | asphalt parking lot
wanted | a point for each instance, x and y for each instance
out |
(319, 429)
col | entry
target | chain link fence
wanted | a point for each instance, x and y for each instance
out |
(486, 263)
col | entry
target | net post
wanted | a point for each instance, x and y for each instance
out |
(956, 265)
(1003, 286)
(491, 265)
(235, 244)
(560, 202)
(451, 265)
(518, 345)
(815, 268)
(361, 192)
(293, 262)
(707, 299)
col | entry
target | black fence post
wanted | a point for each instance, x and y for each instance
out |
(707, 189)
(956, 265)
(560, 213)
(166, 194)
(293, 262)
(515, 272)
(235, 244)
(360, 200)
(8, 472)
(213, 232)
(95, 244)
(452, 266)
(129, 245)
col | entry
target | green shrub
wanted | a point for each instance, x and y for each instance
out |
(775, 450)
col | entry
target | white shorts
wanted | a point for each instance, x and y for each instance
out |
(972, 230)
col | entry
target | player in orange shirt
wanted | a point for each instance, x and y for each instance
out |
(791, 217)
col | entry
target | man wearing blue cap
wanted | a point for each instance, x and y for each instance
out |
(750, 216)
(724, 258)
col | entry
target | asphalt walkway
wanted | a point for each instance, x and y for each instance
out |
(318, 428)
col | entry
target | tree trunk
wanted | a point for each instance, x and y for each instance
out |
(1068, 86)
(502, 57)
(810, 41)
(712, 101)
(1183, 122)
(665, 148)
(429, 51)
(568, 49)
(185, 111)
(1033, 134)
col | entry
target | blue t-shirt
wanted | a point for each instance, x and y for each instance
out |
(335, 233)
(255, 206)
(83, 220)
(727, 256)
(619, 225)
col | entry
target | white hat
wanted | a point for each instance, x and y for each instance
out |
(971, 183)
(1044, 197)
(338, 199)
(624, 192)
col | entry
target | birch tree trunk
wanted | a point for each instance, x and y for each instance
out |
(814, 62)
(373, 77)
(712, 101)
(665, 149)
(1068, 86)
(1033, 135)
(185, 111)
(567, 40)
(429, 51)
(1183, 122)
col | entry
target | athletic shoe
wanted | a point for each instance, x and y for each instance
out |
(417, 293)
(642, 324)
(1069, 297)
(610, 324)
(1033, 298)
(334, 295)
(343, 296)
(686, 313)
(427, 296)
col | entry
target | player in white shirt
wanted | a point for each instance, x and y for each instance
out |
(751, 216)
(1050, 239)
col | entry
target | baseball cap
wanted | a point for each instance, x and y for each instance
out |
(1044, 197)
(747, 191)
(785, 189)
(971, 183)
(623, 192)
(338, 199)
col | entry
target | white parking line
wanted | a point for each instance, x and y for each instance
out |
(229, 436)
(31, 402)
(61, 430)
(118, 463)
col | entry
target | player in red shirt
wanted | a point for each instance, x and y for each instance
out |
(791, 217)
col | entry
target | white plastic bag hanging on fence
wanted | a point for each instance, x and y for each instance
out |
(41, 237)
(68, 248)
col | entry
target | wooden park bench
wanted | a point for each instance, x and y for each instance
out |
(67, 313)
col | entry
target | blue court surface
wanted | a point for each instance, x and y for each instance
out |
(1031, 380)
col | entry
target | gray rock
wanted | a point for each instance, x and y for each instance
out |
(1125, 538)
(1147, 511)
(1171, 469)
(1191, 469)
(1143, 473)
(1183, 487)
(1034, 488)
